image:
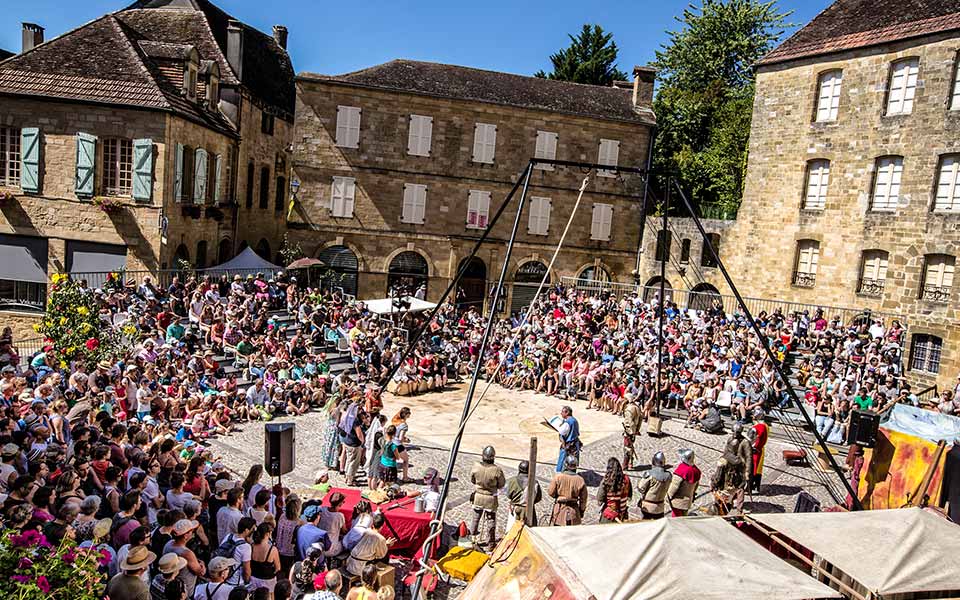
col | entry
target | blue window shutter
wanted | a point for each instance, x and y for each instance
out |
(30, 159)
(142, 169)
(86, 164)
(178, 173)
(200, 176)
(217, 165)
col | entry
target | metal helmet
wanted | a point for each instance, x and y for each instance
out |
(758, 414)
(570, 463)
(524, 467)
(687, 455)
(738, 429)
(489, 454)
(658, 460)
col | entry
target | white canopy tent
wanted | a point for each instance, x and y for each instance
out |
(384, 306)
(247, 261)
(880, 553)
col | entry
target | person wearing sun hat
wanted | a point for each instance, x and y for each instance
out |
(217, 587)
(127, 584)
(168, 567)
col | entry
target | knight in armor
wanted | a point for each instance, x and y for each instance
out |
(732, 477)
(570, 492)
(632, 418)
(614, 494)
(653, 489)
(488, 479)
(517, 493)
(683, 484)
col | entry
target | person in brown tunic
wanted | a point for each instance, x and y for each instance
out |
(653, 489)
(488, 479)
(570, 492)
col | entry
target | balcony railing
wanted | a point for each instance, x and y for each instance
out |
(870, 287)
(936, 293)
(804, 280)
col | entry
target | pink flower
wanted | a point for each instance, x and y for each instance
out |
(69, 556)
(105, 558)
(43, 584)
(25, 563)
(21, 578)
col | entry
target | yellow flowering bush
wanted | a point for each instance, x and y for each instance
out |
(72, 324)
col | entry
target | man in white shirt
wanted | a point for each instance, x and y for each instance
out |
(228, 517)
(217, 588)
(257, 394)
(242, 551)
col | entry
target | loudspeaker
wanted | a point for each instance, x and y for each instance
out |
(864, 425)
(278, 448)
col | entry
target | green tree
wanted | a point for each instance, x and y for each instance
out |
(590, 58)
(704, 101)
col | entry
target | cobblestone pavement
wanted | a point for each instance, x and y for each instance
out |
(781, 483)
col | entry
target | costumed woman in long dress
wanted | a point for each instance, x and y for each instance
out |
(329, 440)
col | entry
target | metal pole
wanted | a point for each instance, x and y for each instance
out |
(766, 347)
(663, 279)
(455, 448)
(532, 484)
(412, 343)
(643, 208)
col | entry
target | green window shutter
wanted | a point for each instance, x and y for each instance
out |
(142, 169)
(200, 176)
(30, 159)
(217, 165)
(86, 164)
(178, 173)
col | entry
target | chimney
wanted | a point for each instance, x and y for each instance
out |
(280, 34)
(235, 47)
(643, 78)
(32, 36)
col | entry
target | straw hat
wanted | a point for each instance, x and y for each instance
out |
(139, 557)
(184, 526)
(171, 563)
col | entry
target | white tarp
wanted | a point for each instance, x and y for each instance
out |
(924, 424)
(247, 261)
(895, 551)
(384, 306)
(676, 559)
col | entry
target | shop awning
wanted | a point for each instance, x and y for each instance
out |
(88, 257)
(23, 258)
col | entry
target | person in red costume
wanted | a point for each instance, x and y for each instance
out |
(683, 486)
(759, 441)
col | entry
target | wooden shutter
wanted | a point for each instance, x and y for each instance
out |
(948, 185)
(178, 174)
(200, 176)
(477, 143)
(337, 197)
(86, 164)
(484, 142)
(539, 221)
(349, 190)
(419, 204)
(609, 154)
(483, 209)
(142, 169)
(546, 147)
(348, 126)
(30, 159)
(421, 131)
(473, 208)
(217, 169)
(601, 222)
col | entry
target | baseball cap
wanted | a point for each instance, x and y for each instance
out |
(220, 563)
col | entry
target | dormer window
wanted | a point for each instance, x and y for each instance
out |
(210, 77)
(191, 69)
(213, 91)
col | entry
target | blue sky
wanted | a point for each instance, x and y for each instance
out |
(516, 36)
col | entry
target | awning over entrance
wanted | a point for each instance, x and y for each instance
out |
(23, 258)
(90, 257)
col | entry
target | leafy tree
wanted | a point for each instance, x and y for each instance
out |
(705, 98)
(590, 58)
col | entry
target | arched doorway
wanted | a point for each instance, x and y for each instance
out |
(703, 296)
(263, 249)
(473, 284)
(652, 289)
(342, 269)
(593, 278)
(181, 256)
(408, 274)
(224, 251)
(525, 283)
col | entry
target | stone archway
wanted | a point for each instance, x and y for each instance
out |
(343, 268)
(652, 289)
(704, 296)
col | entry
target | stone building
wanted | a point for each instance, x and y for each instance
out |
(156, 134)
(853, 182)
(402, 164)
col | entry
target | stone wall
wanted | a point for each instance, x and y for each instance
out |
(784, 137)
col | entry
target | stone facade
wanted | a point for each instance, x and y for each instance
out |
(785, 136)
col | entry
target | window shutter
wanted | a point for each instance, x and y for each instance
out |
(30, 159)
(142, 169)
(336, 197)
(477, 143)
(948, 186)
(406, 209)
(217, 166)
(86, 164)
(491, 143)
(595, 222)
(200, 176)
(178, 175)
(341, 126)
(413, 137)
(606, 222)
(533, 219)
(420, 204)
(473, 208)
(349, 189)
(539, 221)
(483, 209)
(609, 154)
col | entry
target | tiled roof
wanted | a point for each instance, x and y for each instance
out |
(75, 87)
(450, 81)
(164, 49)
(849, 24)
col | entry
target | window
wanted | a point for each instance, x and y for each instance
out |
(539, 221)
(348, 126)
(117, 167)
(213, 91)
(414, 203)
(925, 353)
(818, 178)
(10, 156)
(828, 101)
(546, 147)
(609, 154)
(706, 259)
(955, 91)
(948, 185)
(341, 197)
(190, 79)
(264, 187)
(484, 143)
(186, 191)
(937, 277)
(230, 184)
(251, 174)
(266, 123)
(684, 251)
(664, 241)
(478, 209)
(808, 255)
(420, 136)
(886, 183)
(280, 194)
(873, 272)
(903, 86)
(601, 221)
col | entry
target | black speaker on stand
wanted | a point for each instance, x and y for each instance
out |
(279, 453)
(864, 426)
